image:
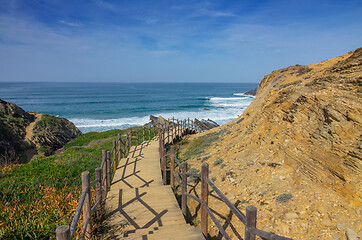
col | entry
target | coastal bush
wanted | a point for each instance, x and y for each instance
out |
(284, 197)
(217, 162)
(205, 158)
(37, 197)
(199, 144)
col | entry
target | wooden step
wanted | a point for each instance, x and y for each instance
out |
(135, 210)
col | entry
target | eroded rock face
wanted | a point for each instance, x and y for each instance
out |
(49, 133)
(309, 117)
(13, 121)
(300, 136)
(52, 133)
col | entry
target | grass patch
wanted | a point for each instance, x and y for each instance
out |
(37, 197)
(200, 144)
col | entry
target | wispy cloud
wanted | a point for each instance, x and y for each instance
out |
(128, 37)
(212, 13)
(70, 24)
(164, 52)
(106, 5)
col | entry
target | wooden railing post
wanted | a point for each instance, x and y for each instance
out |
(172, 166)
(129, 141)
(183, 126)
(168, 134)
(204, 197)
(184, 188)
(178, 128)
(188, 123)
(99, 190)
(149, 132)
(119, 148)
(164, 166)
(63, 232)
(104, 158)
(138, 137)
(114, 156)
(251, 212)
(144, 136)
(126, 143)
(173, 133)
(163, 135)
(108, 169)
(131, 136)
(160, 144)
(124, 147)
(87, 203)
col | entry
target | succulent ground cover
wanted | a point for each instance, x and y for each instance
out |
(37, 197)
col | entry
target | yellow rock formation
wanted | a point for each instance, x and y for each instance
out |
(301, 137)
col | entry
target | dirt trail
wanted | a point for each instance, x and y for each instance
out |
(29, 128)
(28, 138)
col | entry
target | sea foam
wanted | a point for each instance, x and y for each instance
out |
(218, 109)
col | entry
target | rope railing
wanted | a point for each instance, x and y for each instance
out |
(179, 129)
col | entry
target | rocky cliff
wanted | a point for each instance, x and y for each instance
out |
(23, 134)
(296, 151)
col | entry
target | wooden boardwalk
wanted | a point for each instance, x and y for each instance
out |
(139, 206)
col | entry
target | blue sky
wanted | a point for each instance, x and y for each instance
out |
(170, 41)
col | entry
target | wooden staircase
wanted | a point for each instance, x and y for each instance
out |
(139, 206)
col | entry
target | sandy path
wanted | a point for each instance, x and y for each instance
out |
(29, 128)
(28, 138)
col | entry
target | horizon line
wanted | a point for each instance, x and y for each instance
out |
(129, 82)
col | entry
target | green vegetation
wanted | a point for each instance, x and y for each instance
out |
(201, 143)
(52, 133)
(284, 197)
(16, 122)
(39, 196)
(218, 162)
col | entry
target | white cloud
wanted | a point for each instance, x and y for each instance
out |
(213, 13)
(106, 5)
(71, 24)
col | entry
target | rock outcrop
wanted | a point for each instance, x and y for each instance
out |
(23, 134)
(52, 133)
(300, 136)
(13, 121)
(251, 92)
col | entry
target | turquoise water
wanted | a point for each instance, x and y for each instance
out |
(104, 106)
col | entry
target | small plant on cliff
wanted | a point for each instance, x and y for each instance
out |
(284, 197)
(218, 162)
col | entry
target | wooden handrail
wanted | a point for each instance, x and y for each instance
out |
(249, 220)
(102, 182)
(197, 175)
(217, 223)
(236, 211)
(77, 214)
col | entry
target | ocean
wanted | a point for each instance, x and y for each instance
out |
(104, 106)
